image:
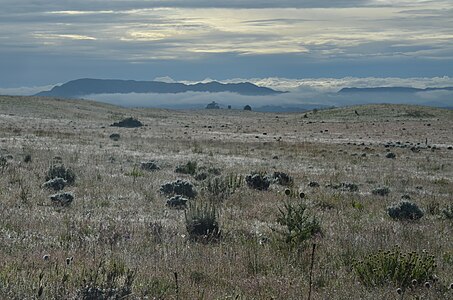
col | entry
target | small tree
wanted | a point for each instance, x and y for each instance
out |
(248, 107)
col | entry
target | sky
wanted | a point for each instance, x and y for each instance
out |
(312, 48)
(53, 41)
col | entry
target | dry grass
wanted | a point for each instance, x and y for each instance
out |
(119, 221)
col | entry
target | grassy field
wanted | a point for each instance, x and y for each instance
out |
(119, 240)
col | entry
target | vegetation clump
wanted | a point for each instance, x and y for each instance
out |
(281, 179)
(179, 187)
(313, 184)
(390, 155)
(115, 137)
(177, 202)
(298, 225)
(381, 191)
(258, 181)
(55, 184)
(189, 168)
(60, 171)
(149, 166)
(201, 222)
(3, 163)
(62, 199)
(405, 210)
(448, 212)
(395, 267)
(128, 123)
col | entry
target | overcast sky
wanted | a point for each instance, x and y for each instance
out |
(47, 42)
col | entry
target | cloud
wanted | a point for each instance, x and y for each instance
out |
(194, 39)
(301, 99)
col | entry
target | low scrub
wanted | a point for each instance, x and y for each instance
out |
(405, 210)
(298, 225)
(395, 267)
(60, 171)
(202, 222)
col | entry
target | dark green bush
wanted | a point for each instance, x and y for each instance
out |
(179, 187)
(405, 210)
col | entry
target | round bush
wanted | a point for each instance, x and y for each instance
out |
(405, 210)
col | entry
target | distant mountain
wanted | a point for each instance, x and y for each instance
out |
(392, 90)
(83, 87)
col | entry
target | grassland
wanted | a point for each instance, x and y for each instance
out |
(118, 238)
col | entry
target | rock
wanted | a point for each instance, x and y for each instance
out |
(62, 199)
(128, 123)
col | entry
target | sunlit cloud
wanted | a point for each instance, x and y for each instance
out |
(300, 37)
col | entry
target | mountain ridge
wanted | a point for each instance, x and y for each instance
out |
(89, 86)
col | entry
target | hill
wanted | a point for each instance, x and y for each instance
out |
(83, 87)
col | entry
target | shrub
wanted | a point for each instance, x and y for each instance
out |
(282, 179)
(390, 155)
(128, 123)
(63, 199)
(60, 171)
(222, 187)
(177, 202)
(3, 163)
(400, 269)
(56, 184)
(381, 191)
(201, 222)
(257, 181)
(179, 187)
(189, 168)
(149, 166)
(27, 158)
(115, 137)
(448, 212)
(405, 210)
(298, 225)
